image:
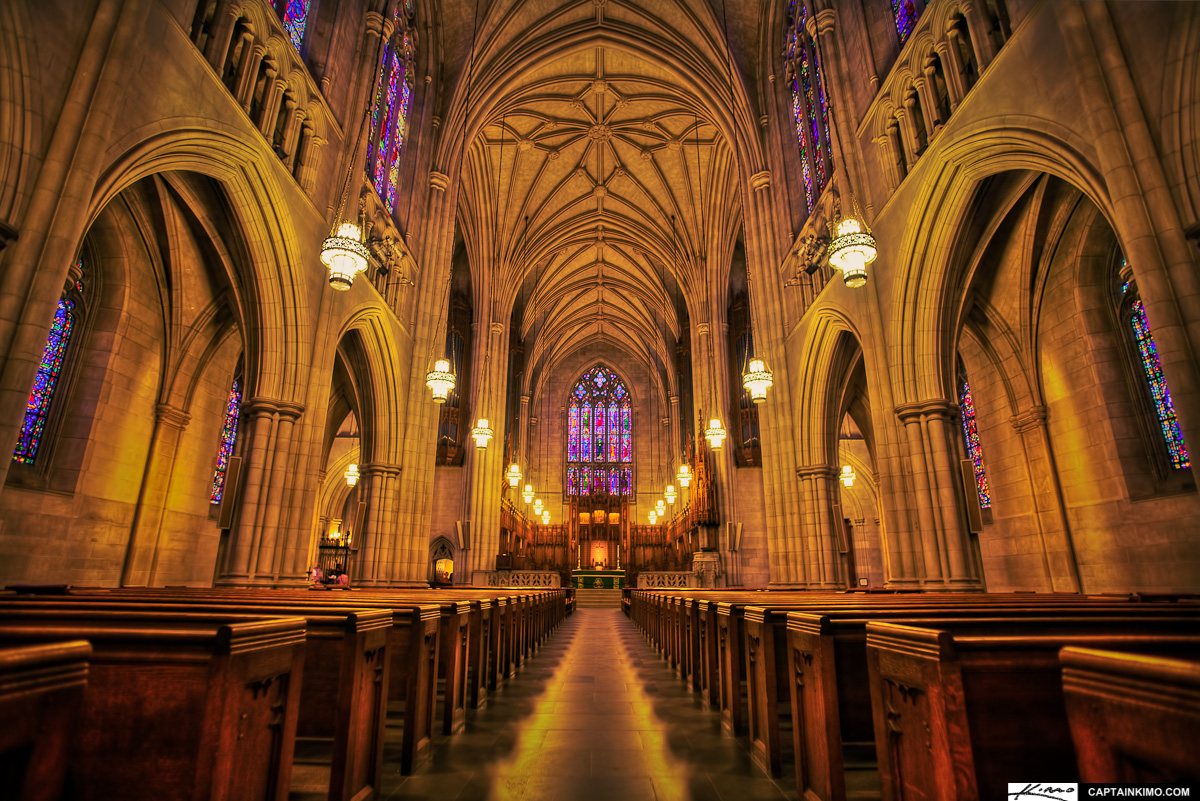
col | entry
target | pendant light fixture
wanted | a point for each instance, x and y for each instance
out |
(482, 433)
(513, 475)
(441, 380)
(351, 475)
(715, 433)
(653, 517)
(537, 507)
(684, 476)
(344, 252)
(545, 517)
(853, 247)
(528, 493)
(848, 475)
(670, 494)
(757, 379)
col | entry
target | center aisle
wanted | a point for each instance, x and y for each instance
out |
(596, 715)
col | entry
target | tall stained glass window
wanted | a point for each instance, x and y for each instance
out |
(229, 430)
(389, 117)
(45, 383)
(599, 436)
(1156, 382)
(966, 405)
(905, 14)
(295, 18)
(810, 107)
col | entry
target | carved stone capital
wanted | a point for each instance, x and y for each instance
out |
(760, 180)
(170, 416)
(926, 409)
(1031, 418)
(439, 181)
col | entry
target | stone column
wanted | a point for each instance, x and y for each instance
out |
(259, 425)
(252, 59)
(1045, 489)
(270, 109)
(888, 162)
(908, 133)
(267, 563)
(522, 449)
(957, 75)
(371, 491)
(306, 169)
(980, 27)
(291, 130)
(897, 148)
(141, 557)
(929, 107)
(217, 47)
(674, 458)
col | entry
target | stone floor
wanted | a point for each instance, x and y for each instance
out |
(596, 715)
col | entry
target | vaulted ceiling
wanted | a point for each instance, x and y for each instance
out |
(599, 200)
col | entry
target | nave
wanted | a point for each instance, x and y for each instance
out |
(596, 715)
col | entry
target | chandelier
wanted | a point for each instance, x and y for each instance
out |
(528, 493)
(715, 434)
(653, 517)
(757, 380)
(661, 508)
(345, 255)
(684, 475)
(481, 432)
(852, 249)
(670, 493)
(513, 475)
(351, 475)
(537, 507)
(440, 380)
(848, 475)
(545, 517)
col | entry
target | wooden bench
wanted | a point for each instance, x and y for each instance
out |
(41, 691)
(1134, 717)
(179, 706)
(962, 707)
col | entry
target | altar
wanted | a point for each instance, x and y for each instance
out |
(597, 579)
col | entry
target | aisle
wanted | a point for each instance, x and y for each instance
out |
(595, 716)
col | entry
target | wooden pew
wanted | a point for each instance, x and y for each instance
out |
(1133, 717)
(179, 706)
(961, 707)
(825, 670)
(41, 690)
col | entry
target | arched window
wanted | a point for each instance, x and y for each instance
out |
(294, 14)
(966, 406)
(393, 96)
(599, 441)
(906, 16)
(1138, 328)
(229, 431)
(46, 381)
(810, 109)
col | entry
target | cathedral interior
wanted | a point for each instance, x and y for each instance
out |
(894, 296)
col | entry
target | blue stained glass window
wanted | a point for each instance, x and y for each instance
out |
(389, 117)
(295, 17)
(966, 404)
(810, 106)
(599, 433)
(44, 383)
(229, 431)
(1164, 407)
(906, 18)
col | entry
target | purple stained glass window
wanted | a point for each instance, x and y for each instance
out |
(810, 106)
(573, 480)
(906, 18)
(295, 17)
(44, 383)
(228, 439)
(1164, 407)
(966, 404)
(389, 118)
(599, 434)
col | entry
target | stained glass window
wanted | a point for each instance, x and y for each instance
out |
(810, 107)
(906, 18)
(1164, 407)
(228, 439)
(599, 444)
(393, 97)
(44, 384)
(295, 17)
(966, 405)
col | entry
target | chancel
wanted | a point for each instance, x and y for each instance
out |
(598, 398)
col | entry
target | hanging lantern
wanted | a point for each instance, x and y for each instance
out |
(852, 250)
(757, 380)
(546, 517)
(440, 380)
(715, 434)
(528, 493)
(653, 517)
(670, 493)
(537, 507)
(684, 475)
(345, 255)
(660, 507)
(481, 432)
(513, 475)
(351, 475)
(848, 475)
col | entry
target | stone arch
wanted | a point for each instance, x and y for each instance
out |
(19, 107)
(267, 292)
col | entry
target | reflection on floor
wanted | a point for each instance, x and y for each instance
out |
(596, 715)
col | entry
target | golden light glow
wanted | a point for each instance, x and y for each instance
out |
(757, 380)
(715, 433)
(513, 475)
(482, 432)
(852, 250)
(546, 517)
(685, 475)
(440, 380)
(352, 475)
(653, 517)
(670, 493)
(345, 255)
(848, 475)
(528, 493)
(537, 506)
